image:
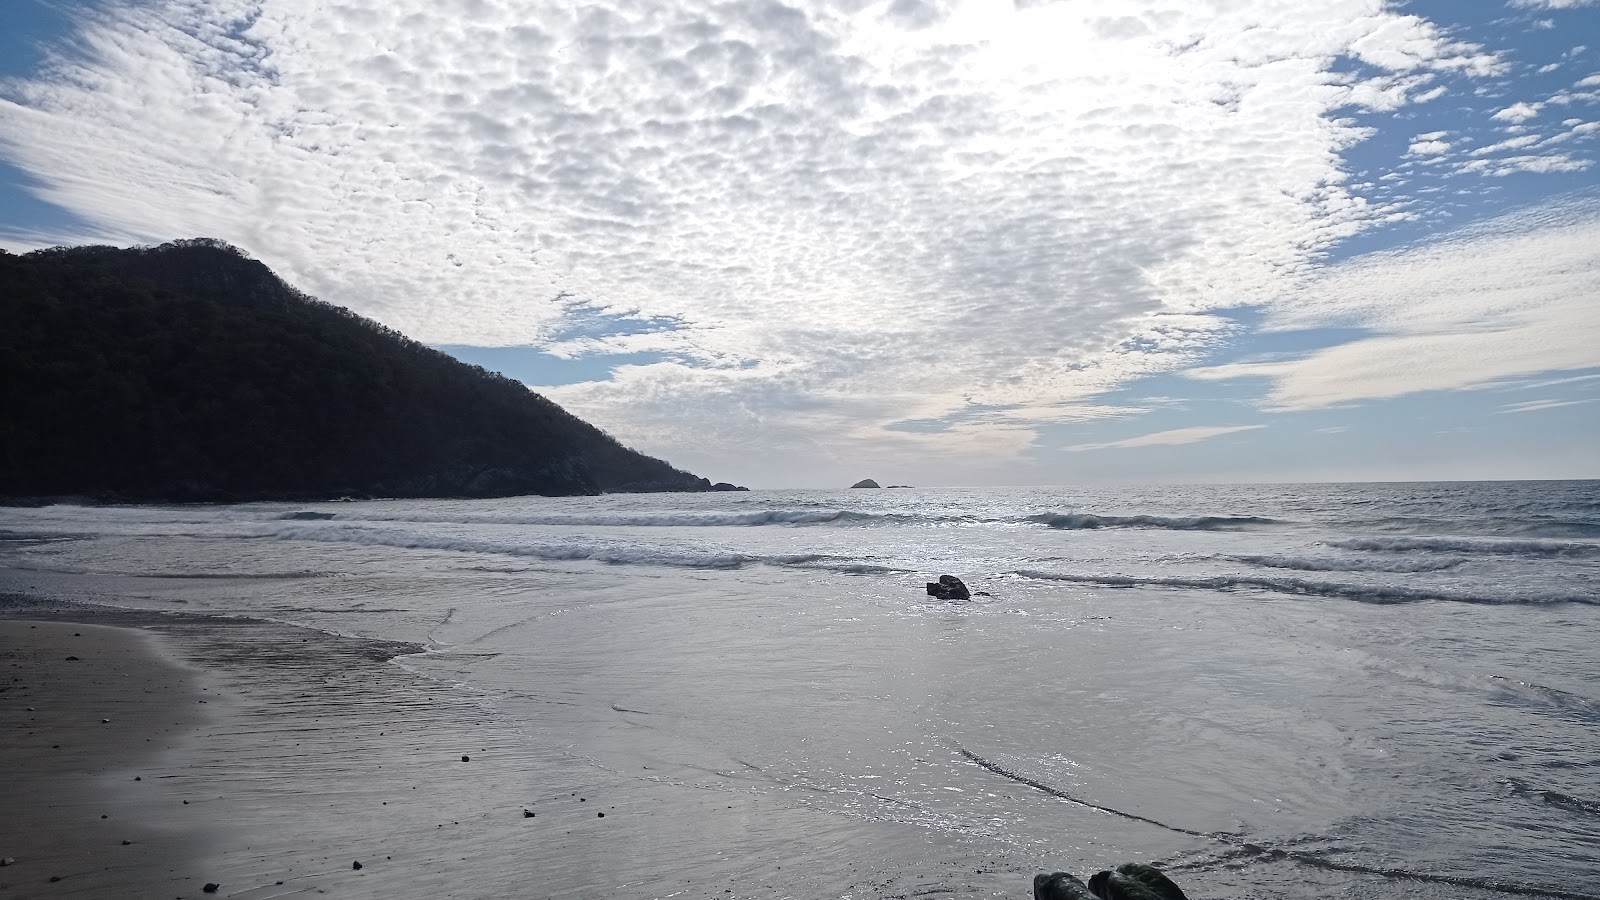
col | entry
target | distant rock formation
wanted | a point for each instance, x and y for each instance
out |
(190, 372)
(865, 483)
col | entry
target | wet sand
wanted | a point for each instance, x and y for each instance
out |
(88, 713)
(271, 759)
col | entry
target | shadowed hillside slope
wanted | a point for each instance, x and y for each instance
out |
(190, 372)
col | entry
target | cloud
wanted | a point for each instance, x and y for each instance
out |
(1536, 405)
(1511, 297)
(847, 215)
(1546, 382)
(1166, 438)
(1508, 165)
(1512, 143)
(1552, 4)
(1518, 112)
(1428, 148)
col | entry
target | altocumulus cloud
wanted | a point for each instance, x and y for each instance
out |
(854, 215)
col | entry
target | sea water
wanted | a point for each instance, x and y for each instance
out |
(1273, 691)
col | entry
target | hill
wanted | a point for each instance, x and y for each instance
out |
(190, 372)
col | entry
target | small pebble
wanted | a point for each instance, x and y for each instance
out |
(601, 816)
(466, 759)
(356, 865)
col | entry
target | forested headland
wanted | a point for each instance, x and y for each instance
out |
(190, 372)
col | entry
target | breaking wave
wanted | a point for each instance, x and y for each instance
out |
(1469, 545)
(1336, 564)
(1364, 593)
(1076, 521)
(654, 519)
(794, 517)
(597, 551)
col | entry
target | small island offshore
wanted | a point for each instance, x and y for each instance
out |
(189, 372)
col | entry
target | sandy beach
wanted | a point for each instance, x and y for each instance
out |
(151, 755)
(90, 715)
(271, 760)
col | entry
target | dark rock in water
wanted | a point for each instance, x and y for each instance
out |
(949, 587)
(1134, 881)
(211, 887)
(466, 759)
(308, 516)
(1059, 886)
(1130, 881)
(895, 487)
(865, 483)
(356, 865)
(526, 814)
(73, 659)
(725, 486)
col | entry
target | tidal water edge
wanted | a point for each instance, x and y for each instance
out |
(1271, 691)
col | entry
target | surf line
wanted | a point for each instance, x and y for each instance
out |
(1299, 856)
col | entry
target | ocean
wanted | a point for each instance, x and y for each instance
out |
(1327, 690)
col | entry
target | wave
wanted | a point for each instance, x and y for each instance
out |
(40, 537)
(1490, 523)
(1336, 564)
(658, 519)
(1469, 545)
(1364, 593)
(1520, 788)
(1076, 521)
(794, 517)
(614, 554)
(1528, 691)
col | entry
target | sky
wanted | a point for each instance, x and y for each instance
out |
(930, 242)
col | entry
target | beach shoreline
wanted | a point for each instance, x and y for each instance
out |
(307, 753)
(94, 717)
